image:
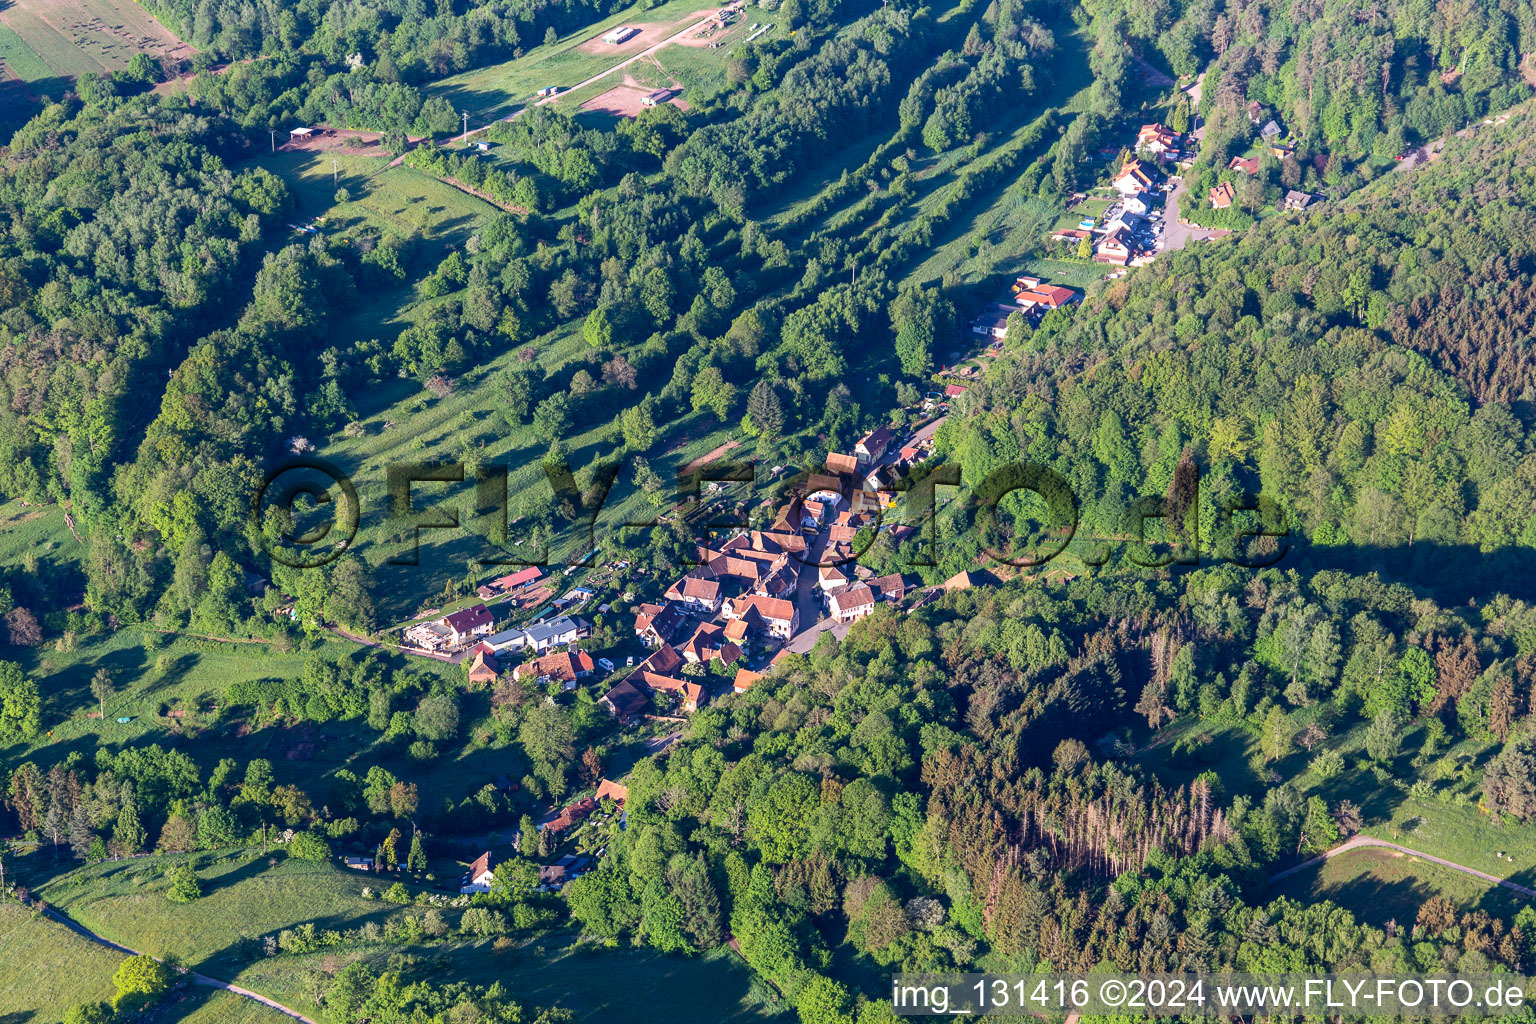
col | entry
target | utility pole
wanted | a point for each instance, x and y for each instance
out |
(274, 138)
(465, 139)
(335, 173)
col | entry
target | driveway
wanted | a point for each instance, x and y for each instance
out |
(1177, 234)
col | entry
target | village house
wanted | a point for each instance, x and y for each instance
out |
(483, 669)
(1244, 165)
(709, 642)
(992, 324)
(611, 791)
(467, 623)
(1271, 131)
(1256, 113)
(566, 666)
(744, 680)
(842, 465)
(775, 616)
(579, 811)
(480, 875)
(829, 580)
(1133, 178)
(657, 624)
(852, 603)
(1223, 196)
(871, 447)
(358, 863)
(541, 636)
(1043, 297)
(696, 594)
(1070, 235)
(624, 700)
(1157, 139)
(889, 588)
(1295, 200)
(1114, 247)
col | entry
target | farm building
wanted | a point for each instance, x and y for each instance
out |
(621, 34)
(656, 98)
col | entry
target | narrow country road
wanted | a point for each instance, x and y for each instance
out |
(200, 979)
(1361, 842)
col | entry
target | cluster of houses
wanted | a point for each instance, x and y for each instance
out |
(481, 875)
(1271, 135)
(1030, 296)
(746, 589)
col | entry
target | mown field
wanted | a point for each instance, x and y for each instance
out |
(75, 36)
(618, 986)
(1381, 886)
(245, 899)
(494, 92)
(49, 968)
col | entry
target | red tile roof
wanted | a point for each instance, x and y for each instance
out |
(839, 463)
(518, 578)
(851, 599)
(613, 791)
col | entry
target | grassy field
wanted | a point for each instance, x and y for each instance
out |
(49, 968)
(20, 59)
(496, 91)
(618, 986)
(243, 898)
(1384, 885)
(152, 676)
(38, 532)
(76, 36)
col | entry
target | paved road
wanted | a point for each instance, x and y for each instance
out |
(1177, 235)
(200, 979)
(1361, 842)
